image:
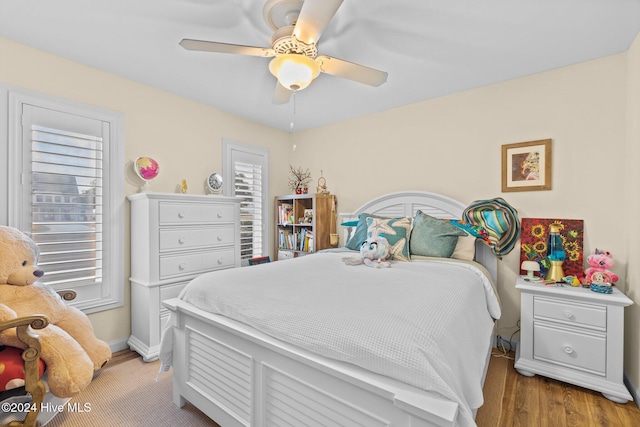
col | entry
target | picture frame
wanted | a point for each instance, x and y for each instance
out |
(308, 216)
(534, 238)
(526, 166)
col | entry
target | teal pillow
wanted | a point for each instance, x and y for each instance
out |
(360, 235)
(396, 231)
(433, 237)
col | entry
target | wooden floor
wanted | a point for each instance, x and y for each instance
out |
(512, 399)
(122, 356)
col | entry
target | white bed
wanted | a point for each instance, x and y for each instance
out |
(242, 375)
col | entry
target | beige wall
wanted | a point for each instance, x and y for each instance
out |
(631, 206)
(452, 145)
(449, 145)
(185, 137)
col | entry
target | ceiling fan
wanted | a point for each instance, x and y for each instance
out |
(298, 25)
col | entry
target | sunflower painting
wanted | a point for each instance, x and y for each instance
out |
(533, 243)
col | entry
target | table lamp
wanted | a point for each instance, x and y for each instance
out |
(530, 267)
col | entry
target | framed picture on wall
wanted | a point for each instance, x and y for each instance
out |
(526, 166)
(534, 238)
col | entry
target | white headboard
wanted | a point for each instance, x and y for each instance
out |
(407, 203)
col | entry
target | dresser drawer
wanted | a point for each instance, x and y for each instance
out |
(579, 314)
(171, 291)
(574, 349)
(192, 238)
(219, 259)
(178, 265)
(191, 263)
(192, 213)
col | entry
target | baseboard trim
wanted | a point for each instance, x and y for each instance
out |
(633, 389)
(118, 345)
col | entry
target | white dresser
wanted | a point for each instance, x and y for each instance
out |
(574, 335)
(174, 238)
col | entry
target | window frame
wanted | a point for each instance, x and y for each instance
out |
(228, 146)
(12, 100)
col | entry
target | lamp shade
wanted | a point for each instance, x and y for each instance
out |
(294, 71)
(530, 267)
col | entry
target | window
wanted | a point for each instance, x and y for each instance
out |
(66, 190)
(245, 176)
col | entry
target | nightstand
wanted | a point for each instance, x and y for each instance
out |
(574, 335)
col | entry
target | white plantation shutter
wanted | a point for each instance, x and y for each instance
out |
(246, 176)
(65, 189)
(66, 205)
(248, 186)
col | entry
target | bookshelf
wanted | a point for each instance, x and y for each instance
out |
(304, 224)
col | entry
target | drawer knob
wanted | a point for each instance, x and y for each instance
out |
(180, 214)
(220, 260)
(182, 266)
(568, 315)
(567, 349)
(219, 238)
(181, 240)
(219, 215)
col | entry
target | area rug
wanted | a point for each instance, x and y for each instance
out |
(126, 394)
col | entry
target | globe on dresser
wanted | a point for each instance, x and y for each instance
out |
(147, 169)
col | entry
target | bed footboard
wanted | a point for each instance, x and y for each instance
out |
(240, 377)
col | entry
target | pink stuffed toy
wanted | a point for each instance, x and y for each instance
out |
(600, 262)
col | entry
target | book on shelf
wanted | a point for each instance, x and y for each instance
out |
(305, 240)
(301, 240)
(285, 213)
(286, 239)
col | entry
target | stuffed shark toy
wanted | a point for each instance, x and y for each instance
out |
(373, 252)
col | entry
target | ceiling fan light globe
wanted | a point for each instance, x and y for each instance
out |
(294, 71)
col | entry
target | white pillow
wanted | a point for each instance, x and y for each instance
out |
(465, 248)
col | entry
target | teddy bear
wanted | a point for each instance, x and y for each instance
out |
(373, 252)
(599, 262)
(70, 349)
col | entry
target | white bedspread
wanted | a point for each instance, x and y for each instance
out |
(425, 323)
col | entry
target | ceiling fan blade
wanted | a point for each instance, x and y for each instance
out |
(207, 46)
(281, 95)
(349, 70)
(314, 17)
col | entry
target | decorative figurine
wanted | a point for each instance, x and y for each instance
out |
(571, 280)
(601, 282)
(322, 184)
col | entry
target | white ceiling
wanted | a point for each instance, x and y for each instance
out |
(429, 48)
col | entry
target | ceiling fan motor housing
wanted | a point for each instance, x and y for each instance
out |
(283, 42)
(297, 26)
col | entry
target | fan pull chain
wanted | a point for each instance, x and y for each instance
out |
(292, 125)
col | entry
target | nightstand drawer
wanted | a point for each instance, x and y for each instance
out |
(583, 351)
(579, 314)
